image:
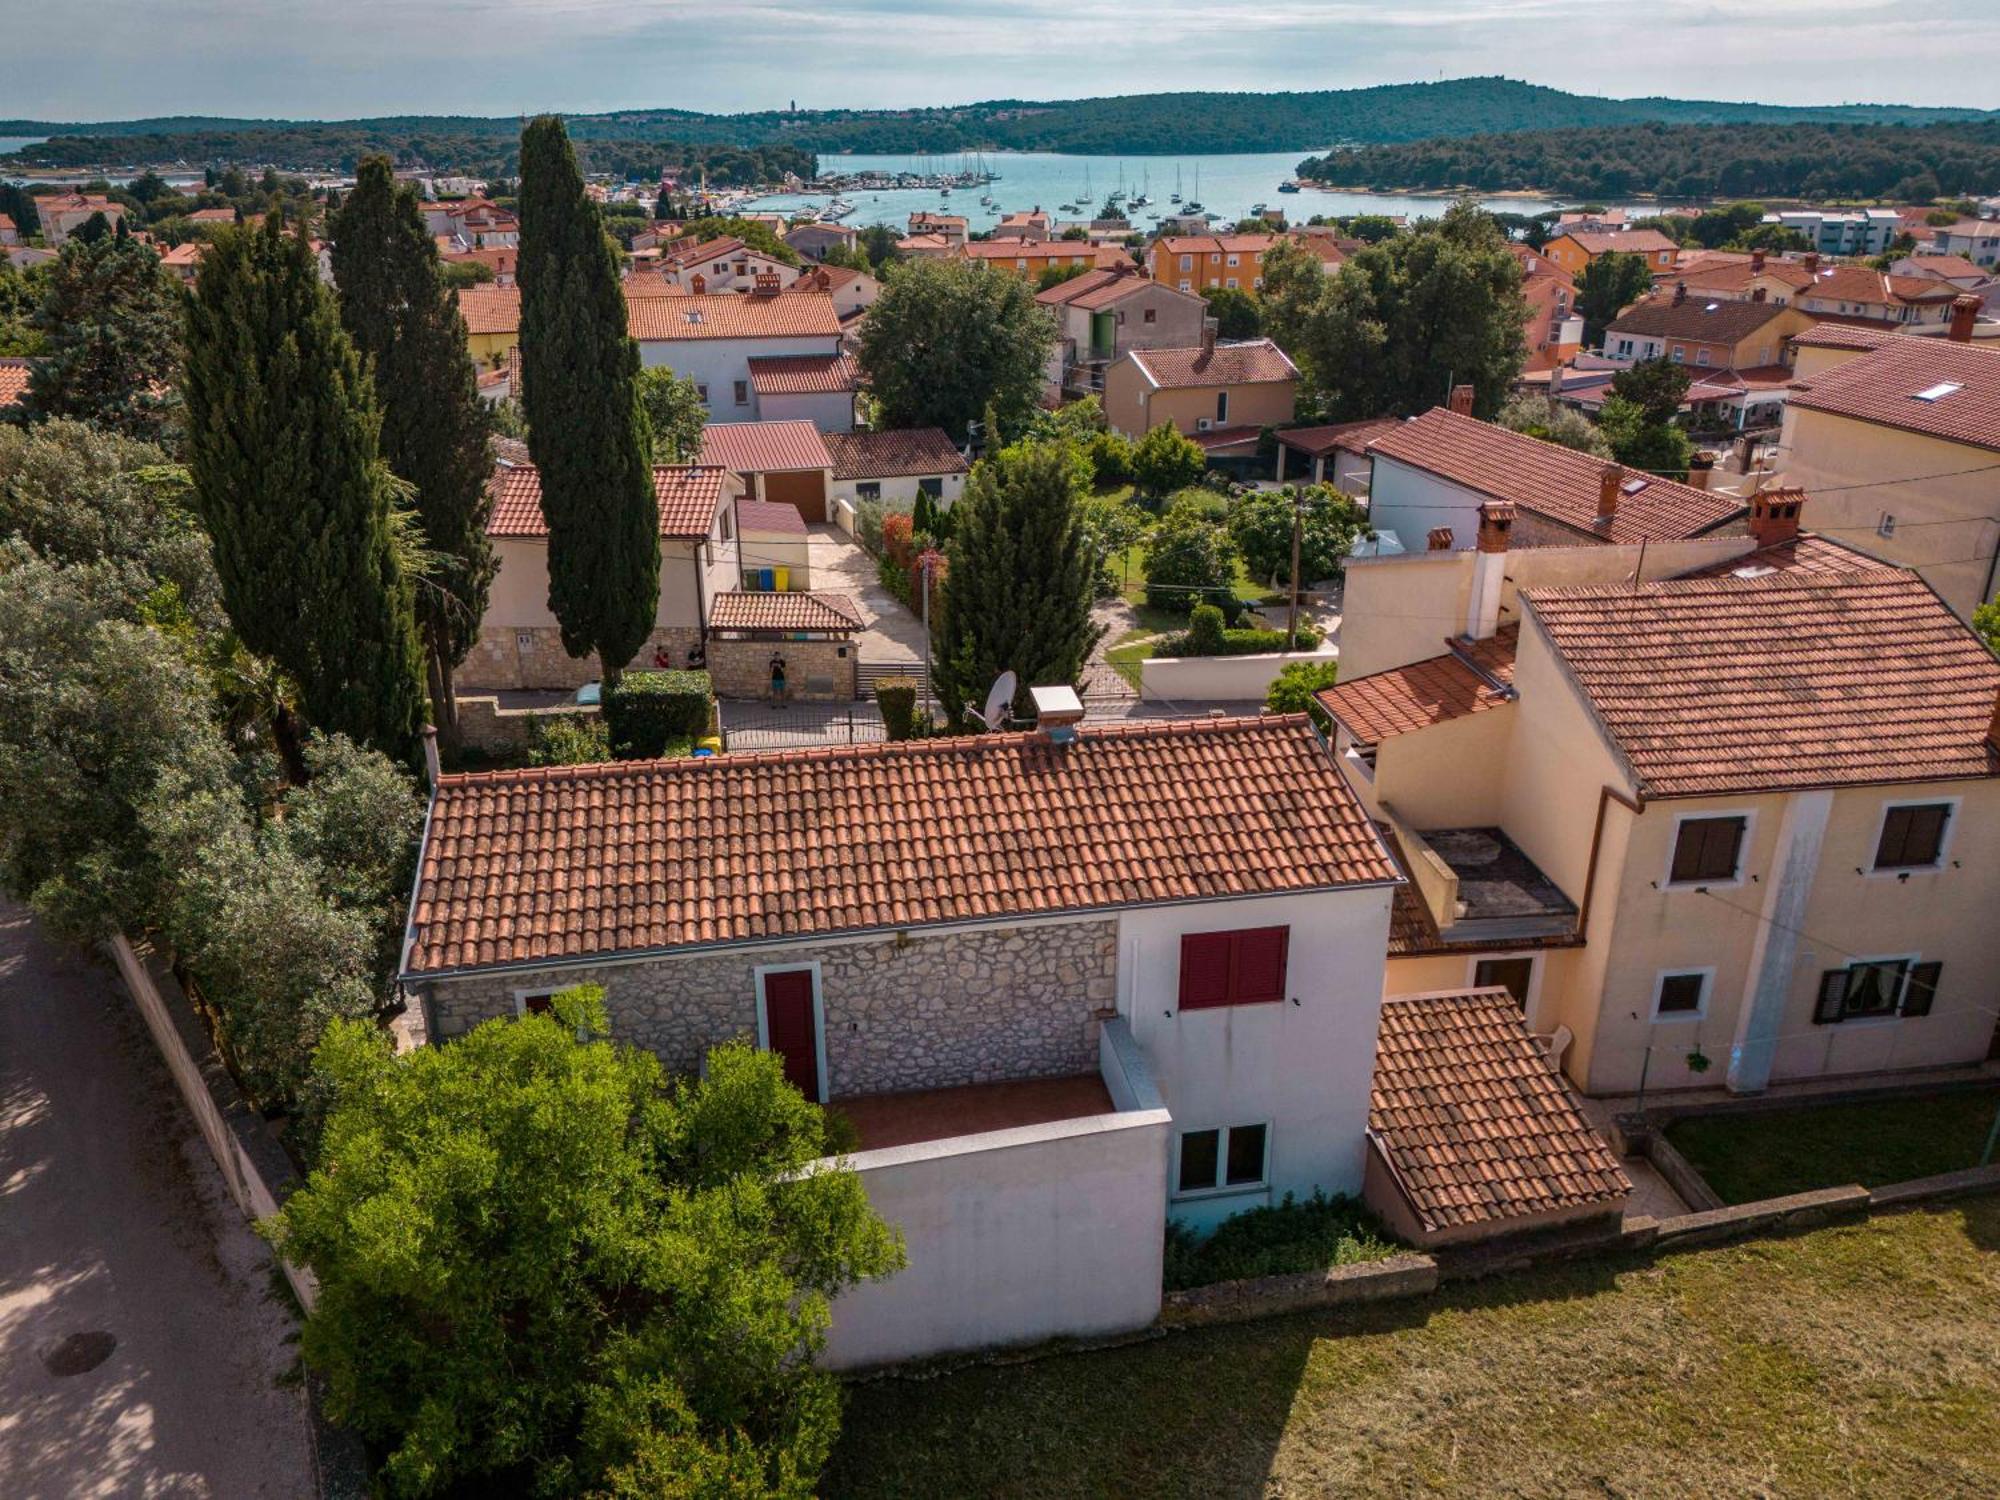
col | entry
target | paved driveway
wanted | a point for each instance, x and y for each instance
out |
(140, 1345)
(840, 565)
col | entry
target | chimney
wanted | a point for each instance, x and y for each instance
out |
(1756, 294)
(1609, 480)
(1811, 262)
(1461, 400)
(1699, 466)
(1556, 377)
(767, 284)
(698, 283)
(1756, 262)
(1774, 515)
(1058, 711)
(433, 768)
(1680, 292)
(1489, 566)
(1964, 313)
(1440, 539)
(1208, 327)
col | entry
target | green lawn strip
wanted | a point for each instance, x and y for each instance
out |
(1856, 1360)
(1745, 1157)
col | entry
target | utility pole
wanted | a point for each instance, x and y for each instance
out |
(1298, 535)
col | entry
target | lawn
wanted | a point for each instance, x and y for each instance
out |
(1857, 1360)
(1751, 1156)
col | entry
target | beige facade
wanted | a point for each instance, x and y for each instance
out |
(1134, 405)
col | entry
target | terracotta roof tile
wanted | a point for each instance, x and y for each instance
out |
(1216, 244)
(1882, 387)
(1252, 362)
(1804, 553)
(764, 447)
(1343, 437)
(13, 381)
(1715, 320)
(1054, 252)
(890, 455)
(1475, 1124)
(687, 495)
(803, 374)
(1782, 683)
(544, 865)
(1556, 483)
(733, 315)
(1944, 265)
(1831, 335)
(1626, 242)
(1863, 284)
(742, 609)
(769, 516)
(1465, 680)
(1103, 288)
(490, 309)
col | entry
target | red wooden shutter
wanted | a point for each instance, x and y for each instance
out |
(1205, 963)
(1260, 965)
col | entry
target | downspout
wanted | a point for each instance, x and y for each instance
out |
(1606, 795)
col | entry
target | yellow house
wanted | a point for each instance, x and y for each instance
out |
(1030, 258)
(1222, 395)
(492, 322)
(1899, 444)
(1740, 825)
(1577, 249)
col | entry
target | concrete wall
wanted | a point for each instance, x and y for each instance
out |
(775, 549)
(974, 1006)
(1013, 1236)
(815, 671)
(829, 411)
(1303, 1066)
(899, 492)
(1226, 678)
(1267, 405)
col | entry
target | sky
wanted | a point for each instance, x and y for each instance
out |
(299, 59)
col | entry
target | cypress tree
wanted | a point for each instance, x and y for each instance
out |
(112, 320)
(580, 368)
(288, 479)
(1020, 579)
(405, 321)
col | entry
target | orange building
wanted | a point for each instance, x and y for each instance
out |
(1196, 262)
(1578, 248)
(1032, 257)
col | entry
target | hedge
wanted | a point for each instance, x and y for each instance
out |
(648, 711)
(1238, 643)
(898, 699)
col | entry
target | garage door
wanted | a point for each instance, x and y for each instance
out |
(805, 488)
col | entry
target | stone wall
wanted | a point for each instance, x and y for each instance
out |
(930, 1012)
(532, 656)
(484, 725)
(815, 671)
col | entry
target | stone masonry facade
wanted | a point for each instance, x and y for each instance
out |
(815, 671)
(532, 656)
(924, 1012)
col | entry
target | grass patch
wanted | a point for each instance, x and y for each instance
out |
(1856, 1360)
(1767, 1155)
(1125, 659)
(1289, 1236)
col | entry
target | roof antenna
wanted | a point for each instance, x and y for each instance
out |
(998, 700)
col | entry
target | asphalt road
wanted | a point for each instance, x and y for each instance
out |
(143, 1351)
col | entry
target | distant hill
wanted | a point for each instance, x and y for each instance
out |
(1138, 124)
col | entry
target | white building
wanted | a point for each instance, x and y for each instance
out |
(717, 339)
(1861, 232)
(894, 468)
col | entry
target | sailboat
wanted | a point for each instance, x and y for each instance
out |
(1193, 204)
(1145, 189)
(1177, 184)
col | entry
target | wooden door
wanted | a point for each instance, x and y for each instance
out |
(790, 1029)
(803, 488)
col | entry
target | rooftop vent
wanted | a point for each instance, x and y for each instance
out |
(1939, 391)
(1058, 712)
(1633, 486)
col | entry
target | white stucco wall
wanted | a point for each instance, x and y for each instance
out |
(831, 411)
(719, 363)
(1224, 678)
(1013, 1236)
(1410, 502)
(519, 596)
(1303, 1065)
(900, 492)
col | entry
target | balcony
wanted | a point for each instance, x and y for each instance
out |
(884, 1120)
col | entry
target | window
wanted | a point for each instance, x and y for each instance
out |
(1707, 850)
(932, 487)
(538, 1003)
(1234, 260)
(1682, 996)
(1231, 282)
(1701, 355)
(1680, 354)
(1152, 315)
(1876, 987)
(1257, 282)
(1187, 264)
(1514, 975)
(1215, 258)
(1233, 968)
(742, 393)
(1624, 348)
(1186, 285)
(702, 392)
(1223, 1159)
(1221, 406)
(868, 489)
(1912, 836)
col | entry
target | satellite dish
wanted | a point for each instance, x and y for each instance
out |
(994, 715)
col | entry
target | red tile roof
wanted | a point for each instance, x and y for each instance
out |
(1255, 361)
(733, 315)
(1865, 285)
(687, 494)
(707, 250)
(490, 309)
(764, 447)
(1216, 439)
(13, 381)
(744, 609)
(803, 375)
(1216, 244)
(1944, 265)
(562, 862)
(1556, 483)
(1646, 242)
(769, 516)
(1782, 683)
(1104, 288)
(922, 451)
(1342, 437)
(1805, 553)
(1469, 679)
(1052, 252)
(1707, 319)
(1475, 1124)
(1882, 387)
(1831, 335)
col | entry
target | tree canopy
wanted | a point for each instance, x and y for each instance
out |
(1609, 284)
(949, 338)
(110, 322)
(545, 1266)
(1261, 524)
(675, 414)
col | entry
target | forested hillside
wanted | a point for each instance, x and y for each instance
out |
(1907, 163)
(1133, 125)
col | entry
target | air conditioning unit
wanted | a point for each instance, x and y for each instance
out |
(1202, 424)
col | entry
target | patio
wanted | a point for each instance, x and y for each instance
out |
(884, 1120)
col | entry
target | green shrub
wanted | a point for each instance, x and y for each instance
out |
(649, 710)
(868, 518)
(1292, 1236)
(1110, 458)
(1164, 461)
(898, 699)
(568, 740)
(1190, 560)
(1204, 632)
(1292, 692)
(1236, 642)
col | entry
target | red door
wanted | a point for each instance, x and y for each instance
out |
(789, 1028)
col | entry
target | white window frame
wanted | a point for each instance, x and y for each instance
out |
(1222, 1189)
(1235, 260)
(1742, 877)
(1231, 282)
(1700, 1012)
(1896, 872)
(1535, 967)
(819, 1013)
(1880, 1018)
(1187, 264)
(1186, 285)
